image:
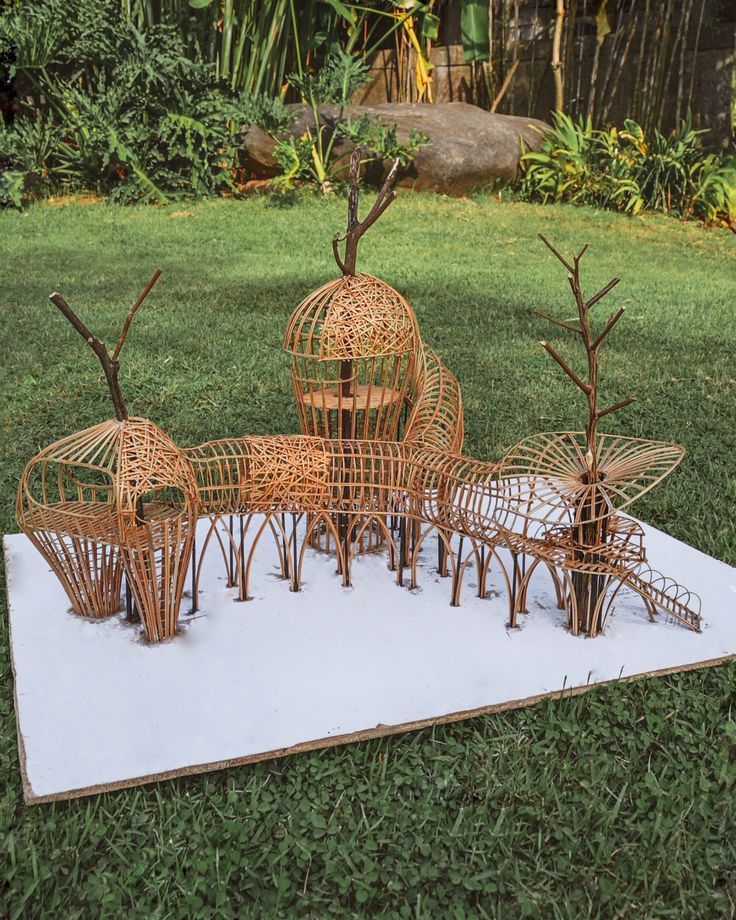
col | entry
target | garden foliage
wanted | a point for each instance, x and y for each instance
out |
(625, 170)
(132, 113)
(313, 156)
(113, 109)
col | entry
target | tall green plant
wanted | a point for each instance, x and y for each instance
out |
(116, 110)
(255, 44)
(312, 156)
(631, 171)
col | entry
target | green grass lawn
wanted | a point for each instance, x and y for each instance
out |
(621, 802)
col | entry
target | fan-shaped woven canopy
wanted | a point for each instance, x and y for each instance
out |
(549, 471)
(356, 316)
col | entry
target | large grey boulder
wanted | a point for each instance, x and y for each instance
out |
(469, 147)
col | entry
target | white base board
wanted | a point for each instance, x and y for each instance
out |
(100, 709)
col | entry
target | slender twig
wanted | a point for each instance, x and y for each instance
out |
(592, 344)
(612, 320)
(556, 252)
(133, 310)
(616, 406)
(336, 240)
(585, 387)
(110, 363)
(602, 293)
(109, 366)
(356, 228)
(558, 322)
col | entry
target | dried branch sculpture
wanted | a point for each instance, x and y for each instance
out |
(589, 473)
(117, 497)
(378, 463)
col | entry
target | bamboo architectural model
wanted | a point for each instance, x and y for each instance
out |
(378, 465)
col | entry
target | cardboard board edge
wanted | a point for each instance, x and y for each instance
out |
(368, 734)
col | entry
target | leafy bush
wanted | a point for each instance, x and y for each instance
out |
(624, 170)
(135, 115)
(114, 110)
(311, 157)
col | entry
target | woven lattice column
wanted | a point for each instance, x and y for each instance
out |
(356, 352)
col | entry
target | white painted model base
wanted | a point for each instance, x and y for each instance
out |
(99, 708)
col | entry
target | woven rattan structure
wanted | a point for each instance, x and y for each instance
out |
(378, 462)
(118, 497)
(356, 352)
(355, 347)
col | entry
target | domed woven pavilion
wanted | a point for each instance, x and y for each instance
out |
(355, 346)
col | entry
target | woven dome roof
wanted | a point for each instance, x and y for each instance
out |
(134, 455)
(356, 316)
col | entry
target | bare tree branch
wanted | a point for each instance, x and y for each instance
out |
(566, 367)
(109, 366)
(556, 252)
(602, 293)
(336, 240)
(558, 322)
(356, 228)
(110, 363)
(133, 310)
(616, 406)
(612, 320)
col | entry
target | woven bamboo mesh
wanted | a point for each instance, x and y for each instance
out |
(80, 503)
(122, 499)
(357, 482)
(117, 497)
(355, 345)
(356, 358)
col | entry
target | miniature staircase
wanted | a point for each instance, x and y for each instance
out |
(666, 594)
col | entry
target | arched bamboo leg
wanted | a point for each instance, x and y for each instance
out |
(403, 553)
(198, 565)
(231, 571)
(245, 586)
(243, 528)
(597, 620)
(343, 566)
(278, 532)
(524, 579)
(490, 555)
(559, 596)
(90, 573)
(521, 599)
(156, 556)
(457, 579)
(442, 540)
(571, 606)
(442, 556)
(482, 571)
(381, 526)
(228, 549)
(461, 567)
(293, 552)
(513, 607)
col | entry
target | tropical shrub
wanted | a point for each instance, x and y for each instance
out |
(254, 44)
(113, 109)
(311, 157)
(132, 113)
(622, 169)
